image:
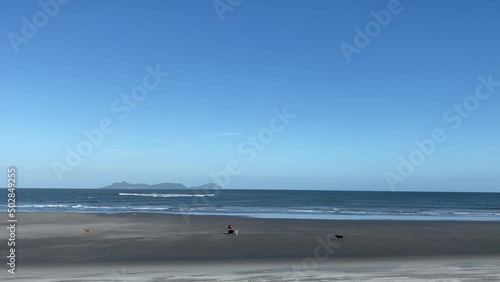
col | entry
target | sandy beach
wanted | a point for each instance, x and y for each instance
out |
(145, 247)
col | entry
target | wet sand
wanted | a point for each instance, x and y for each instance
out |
(153, 243)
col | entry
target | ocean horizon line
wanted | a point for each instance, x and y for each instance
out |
(268, 189)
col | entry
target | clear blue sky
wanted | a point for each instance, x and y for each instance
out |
(352, 120)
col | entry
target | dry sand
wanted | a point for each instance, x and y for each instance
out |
(410, 269)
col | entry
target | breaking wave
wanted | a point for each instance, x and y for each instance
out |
(156, 195)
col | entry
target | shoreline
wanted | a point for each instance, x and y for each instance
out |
(283, 216)
(153, 237)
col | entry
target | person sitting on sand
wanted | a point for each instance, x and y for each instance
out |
(230, 229)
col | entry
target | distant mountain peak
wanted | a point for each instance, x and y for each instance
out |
(207, 186)
(166, 185)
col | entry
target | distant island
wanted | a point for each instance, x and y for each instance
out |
(126, 185)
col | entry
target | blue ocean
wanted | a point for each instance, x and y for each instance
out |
(266, 203)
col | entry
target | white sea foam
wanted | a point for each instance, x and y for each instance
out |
(156, 195)
(42, 206)
(150, 208)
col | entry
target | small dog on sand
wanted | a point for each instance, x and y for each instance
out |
(340, 237)
(86, 231)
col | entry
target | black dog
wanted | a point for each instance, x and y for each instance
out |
(340, 237)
